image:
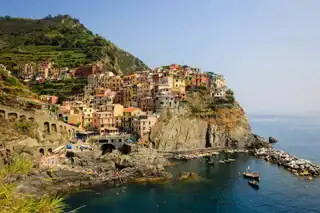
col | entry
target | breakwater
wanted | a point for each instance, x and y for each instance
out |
(298, 166)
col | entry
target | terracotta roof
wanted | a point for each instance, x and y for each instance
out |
(129, 109)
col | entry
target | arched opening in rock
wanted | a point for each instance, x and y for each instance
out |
(46, 126)
(12, 116)
(107, 148)
(22, 118)
(126, 149)
(2, 114)
(54, 127)
(41, 150)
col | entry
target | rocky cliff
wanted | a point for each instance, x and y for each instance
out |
(226, 127)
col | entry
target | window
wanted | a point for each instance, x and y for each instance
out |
(161, 102)
(111, 140)
(144, 128)
(120, 140)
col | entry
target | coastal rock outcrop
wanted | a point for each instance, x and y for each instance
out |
(228, 128)
(298, 166)
(85, 169)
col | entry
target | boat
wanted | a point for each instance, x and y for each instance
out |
(253, 183)
(221, 161)
(254, 175)
(227, 161)
(230, 151)
(211, 163)
(231, 160)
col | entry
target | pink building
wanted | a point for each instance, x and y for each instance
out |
(104, 121)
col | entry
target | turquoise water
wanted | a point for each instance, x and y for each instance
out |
(221, 189)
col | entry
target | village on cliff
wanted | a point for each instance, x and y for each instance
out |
(113, 104)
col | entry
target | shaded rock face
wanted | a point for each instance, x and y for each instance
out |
(185, 133)
(179, 134)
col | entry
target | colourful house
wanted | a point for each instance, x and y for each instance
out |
(128, 115)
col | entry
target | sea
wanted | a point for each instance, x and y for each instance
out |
(221, 188)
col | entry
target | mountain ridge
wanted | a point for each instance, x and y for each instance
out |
(64, 40)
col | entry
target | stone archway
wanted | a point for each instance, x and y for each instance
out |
(2, 114)
(107, 148)
(53, 128)
(23, 117)
(46, 126)
(12, 116)
(41, 150)
(31, 119)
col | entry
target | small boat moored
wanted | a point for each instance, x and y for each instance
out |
(211, 163)
(254, 175)
(221, 161)
(253, 183)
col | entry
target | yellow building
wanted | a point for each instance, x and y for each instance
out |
(179, 85)
(128, 115)
(87, 117)
(114, 83)
(75, 119)
(129, 79)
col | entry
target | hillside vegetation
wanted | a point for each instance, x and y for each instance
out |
(64, 40)
(10, 88)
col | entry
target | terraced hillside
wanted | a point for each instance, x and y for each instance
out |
(63, 39)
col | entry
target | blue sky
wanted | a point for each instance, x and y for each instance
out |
(268, 51)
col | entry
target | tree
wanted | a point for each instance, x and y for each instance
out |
(229, 92)
(48, 17)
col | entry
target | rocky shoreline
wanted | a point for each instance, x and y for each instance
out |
(299, 167)
(88, 168)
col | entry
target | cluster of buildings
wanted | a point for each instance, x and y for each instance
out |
(130, 103)
(45, 71)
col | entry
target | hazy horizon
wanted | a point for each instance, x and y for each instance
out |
(267, 50)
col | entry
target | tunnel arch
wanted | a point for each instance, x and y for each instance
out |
(53, 127)
(12, 116)
(23, 117)
(2, 114)
(46, 126)
(50, 150)
(41, 150)
(107, 148)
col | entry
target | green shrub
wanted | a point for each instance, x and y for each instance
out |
(25, 127)
(12, 81)
(13, 202)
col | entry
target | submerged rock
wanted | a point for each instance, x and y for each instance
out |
(188, 176)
